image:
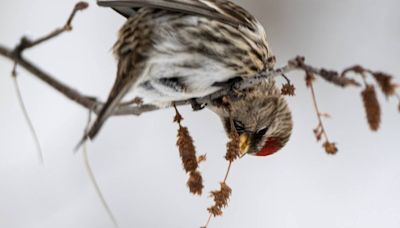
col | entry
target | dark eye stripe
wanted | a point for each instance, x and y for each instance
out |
(239, 126)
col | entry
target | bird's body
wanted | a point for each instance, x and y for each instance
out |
(172, 50)
(186, 56)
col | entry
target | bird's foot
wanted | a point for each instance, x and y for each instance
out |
(196, 106)
(236, 94)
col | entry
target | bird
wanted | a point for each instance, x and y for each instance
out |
(173, 50)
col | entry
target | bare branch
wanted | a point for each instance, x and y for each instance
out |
(91, 103)
(86, 101)
(16, 56)
(26, 43)
(320, 130)
(329, 75)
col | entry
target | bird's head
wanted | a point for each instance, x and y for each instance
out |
(262, 120)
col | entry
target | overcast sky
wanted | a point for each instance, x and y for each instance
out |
(136, 161)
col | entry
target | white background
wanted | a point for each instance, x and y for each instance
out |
(136, 161)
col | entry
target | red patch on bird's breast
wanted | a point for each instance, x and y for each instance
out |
(271, 146)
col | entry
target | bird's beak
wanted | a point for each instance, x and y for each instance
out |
(244, 144)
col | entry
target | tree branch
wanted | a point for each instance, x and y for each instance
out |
(85, 101)
(94, 105)
(26, 43)
(91, 103)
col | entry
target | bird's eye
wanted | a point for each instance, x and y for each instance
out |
(262, 131)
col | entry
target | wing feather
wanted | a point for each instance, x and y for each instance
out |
(130, 67)
(222, 10)
(125, 11)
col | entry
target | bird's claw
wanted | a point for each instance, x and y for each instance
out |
(196, 106)
(236, 93)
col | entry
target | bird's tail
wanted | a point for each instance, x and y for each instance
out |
(126, 78)
(106, 111)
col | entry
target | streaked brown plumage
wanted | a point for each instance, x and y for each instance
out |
(262, 114)
(171, 50)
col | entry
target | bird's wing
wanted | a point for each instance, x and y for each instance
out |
(131, 64)
(125, 11)
(126, 77)
(222, 10)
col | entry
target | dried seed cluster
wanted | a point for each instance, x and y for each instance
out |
(330, 147)
(370, 100)
(187, 150)
(221, 198)
(195, 182)
(288, 89)
(187, 153)
(202, 158)
(233, 150)
(385, 83)
(372, 107)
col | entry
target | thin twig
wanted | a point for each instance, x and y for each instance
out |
(93, 178)
(91, 102)
(86, 101)
(286, 78)
(320, 123)
(328, 75)
(227, 172)
(28, 120)
(320, 131)
(16, 56)
(208, 221)
(26, 43)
